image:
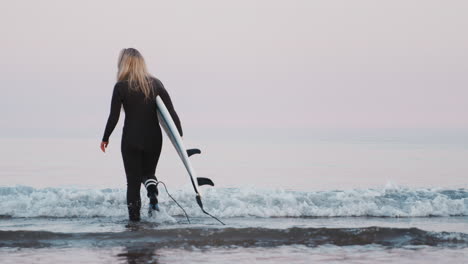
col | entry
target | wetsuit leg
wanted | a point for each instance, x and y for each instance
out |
(150, 160)
(132, 159)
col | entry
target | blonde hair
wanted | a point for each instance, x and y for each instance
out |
(132, 68)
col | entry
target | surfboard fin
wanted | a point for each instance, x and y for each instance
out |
(204, 181)
(191, 152)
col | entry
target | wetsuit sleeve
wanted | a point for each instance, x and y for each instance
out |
(116, 104)
(167, 101)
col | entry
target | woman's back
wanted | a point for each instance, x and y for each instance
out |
(141, 128)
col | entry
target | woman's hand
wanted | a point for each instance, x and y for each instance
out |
(104, 146)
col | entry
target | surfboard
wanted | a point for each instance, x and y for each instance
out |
(170, 128)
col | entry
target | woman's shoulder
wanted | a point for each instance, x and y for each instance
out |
(157, 84)
(121, 87)
(120, 84)
(156, 81)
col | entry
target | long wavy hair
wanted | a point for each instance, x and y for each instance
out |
(132, 68)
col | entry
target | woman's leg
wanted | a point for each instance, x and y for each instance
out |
(149, 162)
(132, 159)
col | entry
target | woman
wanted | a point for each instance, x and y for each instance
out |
(141, 142)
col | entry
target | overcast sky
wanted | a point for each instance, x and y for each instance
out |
(238, 64)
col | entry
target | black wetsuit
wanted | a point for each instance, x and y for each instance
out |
(141, 138)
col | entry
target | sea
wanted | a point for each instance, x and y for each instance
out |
(322, 198)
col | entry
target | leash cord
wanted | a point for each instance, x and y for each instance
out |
(188, 219)
(173, 199)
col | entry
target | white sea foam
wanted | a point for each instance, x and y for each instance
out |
(391, 201)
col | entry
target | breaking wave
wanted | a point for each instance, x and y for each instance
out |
(23, 201)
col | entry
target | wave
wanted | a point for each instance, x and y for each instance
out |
(23, 201)
(245, 237)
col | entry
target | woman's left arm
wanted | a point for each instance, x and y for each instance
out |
(116, 104)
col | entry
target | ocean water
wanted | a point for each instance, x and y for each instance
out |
(325, 201)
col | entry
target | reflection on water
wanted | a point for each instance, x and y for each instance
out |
(137, 255)
(293, 254)
(323, 254)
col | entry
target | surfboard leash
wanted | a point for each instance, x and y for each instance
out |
(158, 182)
(199, 202)
(186, 215)
(214, 217)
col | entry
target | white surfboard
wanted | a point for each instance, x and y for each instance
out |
(170, 127)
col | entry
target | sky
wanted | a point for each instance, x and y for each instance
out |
(238, 65)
